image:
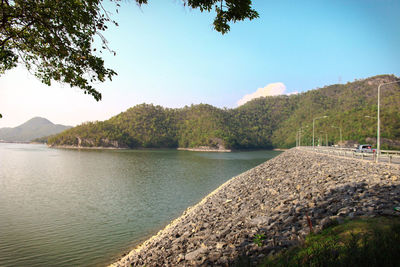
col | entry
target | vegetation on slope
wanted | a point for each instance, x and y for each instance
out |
(361, 242)
(346, 106)
(261, 123)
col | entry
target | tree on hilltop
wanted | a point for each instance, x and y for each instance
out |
(54, 38)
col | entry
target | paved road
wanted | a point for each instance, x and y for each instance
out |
(387, 157)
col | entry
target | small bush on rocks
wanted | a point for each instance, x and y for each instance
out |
(258, 239)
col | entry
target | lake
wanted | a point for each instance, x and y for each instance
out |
(62, 207)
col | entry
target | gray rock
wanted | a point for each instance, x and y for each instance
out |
(261, 220)
(194, 254)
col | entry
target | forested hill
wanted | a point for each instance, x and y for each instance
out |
(261, 123)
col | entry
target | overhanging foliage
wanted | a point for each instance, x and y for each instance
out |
(54, 38)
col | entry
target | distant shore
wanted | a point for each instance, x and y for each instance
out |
(204, 149)
(15, 142)
(90, 148)
(197, 149)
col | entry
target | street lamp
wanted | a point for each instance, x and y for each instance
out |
(326, 138)
(313, 127)
(367, 116)
(299, 134)
(340, 132)
(378, 138)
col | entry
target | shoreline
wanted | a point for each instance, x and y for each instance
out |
(199, 149)
(195, 149)
(15, 142)
(272, 198)
(87, 148)
(189, 210)
(158, 148)
(142, 148)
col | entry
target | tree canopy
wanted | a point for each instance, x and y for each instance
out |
(54, 38)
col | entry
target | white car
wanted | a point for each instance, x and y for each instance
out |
(365, 149)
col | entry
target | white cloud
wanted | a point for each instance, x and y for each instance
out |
(269, 90)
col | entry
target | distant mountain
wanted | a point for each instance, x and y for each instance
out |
(34, 128)
(264, 122)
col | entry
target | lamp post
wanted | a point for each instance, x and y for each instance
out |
(340, 132)
(326, 138)
(301, 130)
(313, 128)
(367, 116)
(378, 138)
(299, 134)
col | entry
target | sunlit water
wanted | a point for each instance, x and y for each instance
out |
(85, 207)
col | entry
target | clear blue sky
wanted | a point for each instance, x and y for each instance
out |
(170, 55)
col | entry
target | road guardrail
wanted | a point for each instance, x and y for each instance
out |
(389, 156)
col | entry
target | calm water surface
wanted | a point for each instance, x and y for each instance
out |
(86, 207)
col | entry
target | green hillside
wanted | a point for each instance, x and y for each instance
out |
(265, 122)
(346, 106)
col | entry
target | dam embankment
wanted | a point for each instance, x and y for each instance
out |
(273, 199)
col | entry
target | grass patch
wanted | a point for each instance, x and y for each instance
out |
(360, 242)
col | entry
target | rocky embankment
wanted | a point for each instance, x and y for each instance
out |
(273, 199)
